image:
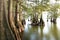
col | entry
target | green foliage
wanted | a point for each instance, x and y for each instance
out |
(39, 8)
(54, 9)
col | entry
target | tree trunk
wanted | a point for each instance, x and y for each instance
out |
(18, 19)
(54, 20)
(11, 20)
(41, 21)
(2, 35)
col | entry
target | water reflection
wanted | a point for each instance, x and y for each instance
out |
(48, 32)
(54, 31)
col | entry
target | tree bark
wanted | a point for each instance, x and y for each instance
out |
(11, 20)
(2, 30)
(18, 15)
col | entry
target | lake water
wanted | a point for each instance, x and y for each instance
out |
(48, 32)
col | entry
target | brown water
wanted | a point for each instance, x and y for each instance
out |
(48, 32)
